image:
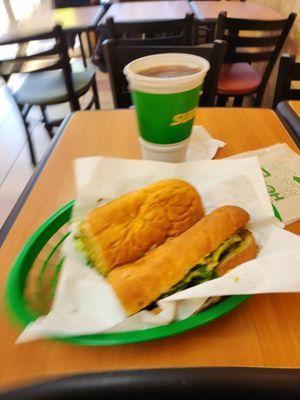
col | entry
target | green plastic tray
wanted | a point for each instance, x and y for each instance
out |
(41, 254)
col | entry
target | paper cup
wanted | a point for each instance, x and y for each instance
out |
(173, 153)
(166, 107)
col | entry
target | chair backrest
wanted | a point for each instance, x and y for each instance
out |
(254, 47)
(177, 32)
(56, 57)
(288, 72)
(174, 32)
(116, 57)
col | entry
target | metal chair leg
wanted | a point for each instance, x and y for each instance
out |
(221, 100)
(210, 34)
(95, 94)
(30, 144)
(46, 123)
(89, 43)
(82, 51)
(238, 101)
(74, 104)
(24, 111)
(257, 100)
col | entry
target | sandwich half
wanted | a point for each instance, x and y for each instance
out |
(211, 247)
(126, 228)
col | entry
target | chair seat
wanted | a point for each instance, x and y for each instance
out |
(238, 79)
(48, 87)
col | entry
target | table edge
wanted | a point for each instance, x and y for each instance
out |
(102, 20)
(4, 230)
(92, 26)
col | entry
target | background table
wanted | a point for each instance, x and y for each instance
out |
(264, 331)
(77, 19)
(147, 10)
(208, 11)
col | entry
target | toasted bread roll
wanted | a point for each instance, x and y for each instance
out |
(245, 252)
(139, 284)
(125, 229)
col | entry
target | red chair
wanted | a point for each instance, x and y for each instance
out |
(238, 78)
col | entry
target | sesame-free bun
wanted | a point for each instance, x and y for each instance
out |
(124, 229)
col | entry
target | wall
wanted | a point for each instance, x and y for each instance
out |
(292, 45)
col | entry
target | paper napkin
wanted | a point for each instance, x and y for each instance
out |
(202, 145)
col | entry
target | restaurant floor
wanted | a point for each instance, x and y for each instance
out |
(15, 166)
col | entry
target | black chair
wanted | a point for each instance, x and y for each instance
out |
(238, 78)
(178, 384)
(288, 71)
(55, 84)
(153, 33)
(12, 59)
(117, 57)
(177, 32)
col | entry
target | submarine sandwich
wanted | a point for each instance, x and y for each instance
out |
(210, 248)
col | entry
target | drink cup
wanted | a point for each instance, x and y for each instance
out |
(173, 153)
(166, 106)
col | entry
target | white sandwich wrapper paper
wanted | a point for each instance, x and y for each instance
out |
(85, 303)
(202, 146)
(281, 166)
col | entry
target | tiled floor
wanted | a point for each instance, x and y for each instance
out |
(15, 165)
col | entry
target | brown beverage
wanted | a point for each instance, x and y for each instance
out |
(169, 71)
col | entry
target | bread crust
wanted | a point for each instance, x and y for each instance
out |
(144, 281)
(246, 253)
(124, 229)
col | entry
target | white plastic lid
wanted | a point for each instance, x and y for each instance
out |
(179, 84)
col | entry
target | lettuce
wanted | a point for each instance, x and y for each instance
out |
(199, 274)
(204, 270)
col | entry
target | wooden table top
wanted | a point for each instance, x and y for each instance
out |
(73, 19)
(209, 10)
(147, 10)
(295, 106)
(264, 331)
